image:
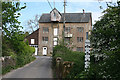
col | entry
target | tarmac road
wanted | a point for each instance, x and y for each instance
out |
(40, 68)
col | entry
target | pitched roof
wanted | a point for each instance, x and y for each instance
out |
(56, 10)
(33, 32)
(70, 17)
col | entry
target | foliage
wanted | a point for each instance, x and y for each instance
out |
(13, 38)
(68, 55)
(6, 48)
(10, 13)
(106, 32)
(7, 69)
(105, 40)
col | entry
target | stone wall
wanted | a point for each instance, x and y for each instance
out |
(7, 61)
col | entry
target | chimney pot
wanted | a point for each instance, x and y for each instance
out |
(83, 11)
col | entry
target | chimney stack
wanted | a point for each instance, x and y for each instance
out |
(83, 11)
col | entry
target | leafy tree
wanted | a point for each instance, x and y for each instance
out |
(105, 40)
(10, 24)
(106, 32)
(13, 38)
(10, 14)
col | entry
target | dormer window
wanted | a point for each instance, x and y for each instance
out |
(55, 15)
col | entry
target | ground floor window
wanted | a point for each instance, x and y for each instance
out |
(79, 39)
(55, 41)
(45, 39)
(67, 40)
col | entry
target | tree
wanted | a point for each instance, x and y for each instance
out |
(13, 38)
(10, 24)
(105, 40)
(106, 32)
(10, 14)
(33, 24)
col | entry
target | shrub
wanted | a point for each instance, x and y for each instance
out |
(68, 55)
(19, 51)
(24, 55)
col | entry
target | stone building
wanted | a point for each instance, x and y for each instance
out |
(77, 29)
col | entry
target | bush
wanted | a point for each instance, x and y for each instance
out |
(24, 55)
(19, 51)
(68, 55)
(7, 69)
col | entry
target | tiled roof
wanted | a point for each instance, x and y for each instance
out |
(70, 18)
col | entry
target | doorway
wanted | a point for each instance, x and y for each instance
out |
(44, 51)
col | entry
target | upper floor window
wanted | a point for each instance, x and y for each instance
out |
(45, 39)
(32, 41)
(80, 29)
(67, 29)
(80, 49)
(55, 31)
(79, 39)
(45, 30)
(86, 35)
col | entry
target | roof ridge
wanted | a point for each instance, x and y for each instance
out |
(70, 17)
(71, 13)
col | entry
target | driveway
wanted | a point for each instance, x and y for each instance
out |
(40, 68)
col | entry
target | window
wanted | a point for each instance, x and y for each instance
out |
(32, 41)
(45, 39)
(67, 29)
(67, 39)
(55, 42)
(80, 29)
(45, 30)
(79, 39)
(55, 31)
(86, 35)
(80, 49)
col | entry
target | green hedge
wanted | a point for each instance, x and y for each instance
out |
(25, 53)
(19, 50)
(69, 55)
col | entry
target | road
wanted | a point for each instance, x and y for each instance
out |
(40, 68)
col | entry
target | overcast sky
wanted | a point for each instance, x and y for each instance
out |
(73, 6)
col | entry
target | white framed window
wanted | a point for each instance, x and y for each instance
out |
(55, 31)
(32, 41)
(55, 41)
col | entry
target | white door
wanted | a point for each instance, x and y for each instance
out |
(36, 51)
(44, 50)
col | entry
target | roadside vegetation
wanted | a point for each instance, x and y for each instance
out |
(13, 44)
(71, 63)
(105, 41)
(105, 54)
